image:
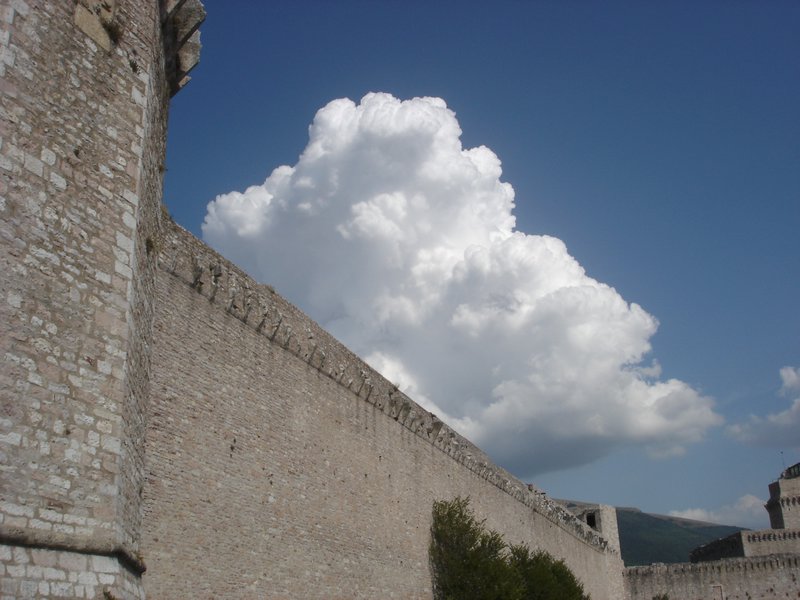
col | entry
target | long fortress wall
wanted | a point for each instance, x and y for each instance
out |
(160, 410)
(753, 578)
(279, 461)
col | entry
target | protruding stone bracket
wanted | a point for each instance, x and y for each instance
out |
(180, 23)
(186, 19)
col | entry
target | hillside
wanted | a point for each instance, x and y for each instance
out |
(647, 538)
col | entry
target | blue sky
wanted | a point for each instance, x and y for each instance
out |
(660, 142)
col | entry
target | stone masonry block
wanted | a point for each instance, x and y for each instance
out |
(91, 25)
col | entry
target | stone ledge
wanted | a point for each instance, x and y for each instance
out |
(99, 545)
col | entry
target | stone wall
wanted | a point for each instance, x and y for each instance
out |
(157, 405)
(83, 117)
(731, 579)
(279, 461)
(84, 93)
(750, 543)
(771, 541)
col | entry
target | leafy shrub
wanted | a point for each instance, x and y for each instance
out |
(470, 563)
(544, 577)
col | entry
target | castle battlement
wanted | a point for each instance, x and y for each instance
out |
(747, 564)
(771, 535)
(728, 565)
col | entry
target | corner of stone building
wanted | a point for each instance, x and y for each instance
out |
(85, 88)
(605, 518)
(602, 519)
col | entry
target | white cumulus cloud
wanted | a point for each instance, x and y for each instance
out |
(748, 511)
(402, 243)
(780, 430)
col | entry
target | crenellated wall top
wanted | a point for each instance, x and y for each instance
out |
(725, 565)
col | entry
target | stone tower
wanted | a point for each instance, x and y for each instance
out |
(783, 505)
(84, 92)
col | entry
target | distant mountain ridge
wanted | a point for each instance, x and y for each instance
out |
(647, 538)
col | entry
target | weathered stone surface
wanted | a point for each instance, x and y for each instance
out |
(275, 448)
(82, 127)
(783, 505)
(181, 22)
(295, 424)
(187, 18)
(92, 26)
(729, 579)
(189, 54)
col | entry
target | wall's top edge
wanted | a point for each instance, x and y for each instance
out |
(259, 307)
(752, 563)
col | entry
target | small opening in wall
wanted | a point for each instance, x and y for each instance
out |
(591, 520)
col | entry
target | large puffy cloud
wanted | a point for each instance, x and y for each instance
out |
(403, 244)
(748, 511)
(778, 430)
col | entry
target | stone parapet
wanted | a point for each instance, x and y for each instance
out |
(771, 541)
(732, 579)
(749, 544)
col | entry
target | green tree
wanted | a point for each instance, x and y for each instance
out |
(544, 577)
(468, 562)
